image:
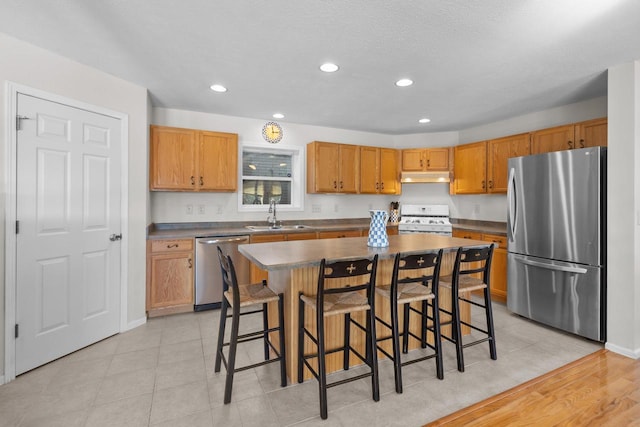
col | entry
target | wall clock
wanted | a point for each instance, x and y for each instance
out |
(272, 132)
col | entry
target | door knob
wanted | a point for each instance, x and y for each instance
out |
(115, 237)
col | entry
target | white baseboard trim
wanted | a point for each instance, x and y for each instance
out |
(1, 379)
(634, 354)
(135, 323)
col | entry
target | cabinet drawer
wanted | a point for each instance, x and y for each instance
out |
(338, 234)
(500, 240)
(171, 245)
(466, 234)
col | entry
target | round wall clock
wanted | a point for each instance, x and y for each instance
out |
(272, 132)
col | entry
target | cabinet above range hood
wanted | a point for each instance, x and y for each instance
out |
(424, 177)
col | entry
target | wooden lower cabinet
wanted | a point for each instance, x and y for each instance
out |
(498, 279)
(170, 275)
(338, 234)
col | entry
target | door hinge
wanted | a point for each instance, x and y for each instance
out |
(19, 120)
(17, 227)
(16, 331)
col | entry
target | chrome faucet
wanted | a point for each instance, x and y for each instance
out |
(272, 219)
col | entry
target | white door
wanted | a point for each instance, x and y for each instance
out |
(68, 206)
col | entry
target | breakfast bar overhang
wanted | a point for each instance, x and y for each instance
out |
(293, 268)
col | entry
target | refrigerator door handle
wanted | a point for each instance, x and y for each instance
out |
(511, 203)
(563, 268)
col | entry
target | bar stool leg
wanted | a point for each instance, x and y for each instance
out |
(265, 326)
(490, 329)
(405, 329)
(283, 350)
(347, 340)
(437, 338)
(322, 369)
(423, 318)
(457, 333)
(396, 345)
(371, 343)
(221, 331)
(300, 339)
(233, 344)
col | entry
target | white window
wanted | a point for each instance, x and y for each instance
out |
(270, 173)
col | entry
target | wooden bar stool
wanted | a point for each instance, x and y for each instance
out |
(403, 292)
(344, 287)
(238, 296)
(470, 262)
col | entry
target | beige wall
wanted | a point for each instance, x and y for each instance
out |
(30, 66)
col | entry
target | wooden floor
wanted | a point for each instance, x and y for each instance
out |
(601, 389)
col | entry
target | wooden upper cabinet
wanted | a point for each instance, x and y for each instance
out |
(499, 152)
(389, 174)
(470, 168)
(425, 159)
(192, 160)
(591, 133)
(218, 161)
(172, 158)
(369, 170)
(332, 168)
(553, 139)
(379, 171)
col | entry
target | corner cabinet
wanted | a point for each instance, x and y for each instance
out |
(379, 171)
(332, 168)
(192, 160)
(169, 276)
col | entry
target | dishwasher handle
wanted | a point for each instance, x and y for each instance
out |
(218, 240)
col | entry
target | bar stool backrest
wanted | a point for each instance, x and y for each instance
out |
(473, 261)
(417, 262)
(229, 278)
(362, 271)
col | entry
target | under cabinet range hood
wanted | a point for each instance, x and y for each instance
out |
(422, 177)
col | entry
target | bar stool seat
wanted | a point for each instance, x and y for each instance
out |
(238, 296)
(469, 263)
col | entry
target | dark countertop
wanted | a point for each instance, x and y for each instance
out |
(489, 227)
(185, 230)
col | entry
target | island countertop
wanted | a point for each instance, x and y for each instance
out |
(304, 253)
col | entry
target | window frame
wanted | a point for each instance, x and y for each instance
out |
(297, 169)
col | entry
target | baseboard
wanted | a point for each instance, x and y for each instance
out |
(1, 379)
(634, 354)
(135, 323)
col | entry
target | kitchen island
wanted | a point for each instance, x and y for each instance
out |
(293, 268)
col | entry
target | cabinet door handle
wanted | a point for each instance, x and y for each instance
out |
(490, 183)
(335, 185)
(582, 143)
(377, 188)
(201, 181)
(193, 180)
(421, 164)
(190, 263)
(341, 186)
(429, 163)
(174, 245)
(570, 144)
(382, 186)
(483, 184)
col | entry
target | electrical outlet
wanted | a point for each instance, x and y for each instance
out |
(201, 209)
(316, 208)
(189, 209)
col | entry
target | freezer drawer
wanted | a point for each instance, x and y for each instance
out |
(564, 295)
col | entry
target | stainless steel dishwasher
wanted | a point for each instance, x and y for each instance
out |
(208, 286)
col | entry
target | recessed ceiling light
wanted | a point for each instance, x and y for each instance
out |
(218, 88)
(329, 67)
(404, 82)
(425, 120)
(278, 116)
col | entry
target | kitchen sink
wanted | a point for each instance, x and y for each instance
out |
(276, 227)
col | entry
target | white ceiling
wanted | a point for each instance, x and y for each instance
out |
(473, 62)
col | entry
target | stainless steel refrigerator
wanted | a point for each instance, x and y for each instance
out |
(556, 227)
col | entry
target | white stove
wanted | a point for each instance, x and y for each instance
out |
(433, 219)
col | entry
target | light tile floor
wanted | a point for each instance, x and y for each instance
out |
(161, 374)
